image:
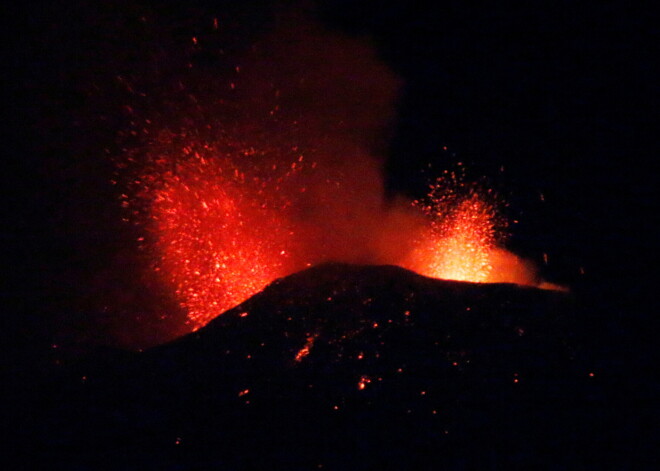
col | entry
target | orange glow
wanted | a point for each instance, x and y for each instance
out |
(230, 182)
(463, 238)
(221, 225)
(303, 352)
(462, 230)
(217, 226)
(458, 246)
(362, 384)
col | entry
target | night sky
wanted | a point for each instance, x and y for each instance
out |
(548, 98)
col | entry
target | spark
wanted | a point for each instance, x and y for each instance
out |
(362, 383)
(304, 351)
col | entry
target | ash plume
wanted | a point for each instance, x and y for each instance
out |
(276, 165)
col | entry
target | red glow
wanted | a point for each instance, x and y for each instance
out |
(304, 351)
(216, 247)
(459, 242)
(464, 235)
(222, 225)
(462, 231)
(242, 179)
(218, 233)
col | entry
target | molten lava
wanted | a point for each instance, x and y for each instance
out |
(458, 247)
(306, 349)
(218, 234)
(222, 224)
(462, 231)
(234, 183)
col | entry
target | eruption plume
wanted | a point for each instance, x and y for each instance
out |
(464, 234)
(460, 235)
(277, 169)
(218, 233)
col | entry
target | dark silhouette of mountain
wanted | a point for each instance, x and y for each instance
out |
(347, 367)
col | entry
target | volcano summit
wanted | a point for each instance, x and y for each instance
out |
(343, 367)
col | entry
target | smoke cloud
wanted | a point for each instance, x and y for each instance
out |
(245, 177)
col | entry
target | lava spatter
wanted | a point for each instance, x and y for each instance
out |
(463, 228)
(216, 226)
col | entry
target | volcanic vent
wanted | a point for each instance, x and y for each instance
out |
(278, 167)
(361, 364)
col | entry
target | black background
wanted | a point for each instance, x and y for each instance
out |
(560, 94)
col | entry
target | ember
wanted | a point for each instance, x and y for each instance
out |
(304, 351)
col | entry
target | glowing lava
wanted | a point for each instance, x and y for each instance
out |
(236, 181)
(224, 221)
(218, 234)
(462, 231)
(306, 349)
(459, 246)
(223, 224)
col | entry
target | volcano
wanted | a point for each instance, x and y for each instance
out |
(170, 161)
(342, 367)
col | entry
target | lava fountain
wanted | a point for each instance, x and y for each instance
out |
(267, 176)
(217, 245)
(462, 228)
(464, 234)
(215, 217)
(458, 244)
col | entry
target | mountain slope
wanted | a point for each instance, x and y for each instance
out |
(349, 367)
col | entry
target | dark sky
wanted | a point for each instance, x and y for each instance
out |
(558, 93)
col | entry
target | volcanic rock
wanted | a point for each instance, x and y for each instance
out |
(344, 367)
